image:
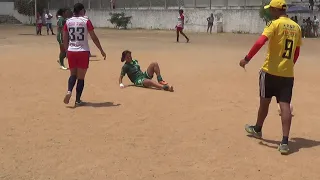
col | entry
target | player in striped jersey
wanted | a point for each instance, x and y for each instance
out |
(75, 39)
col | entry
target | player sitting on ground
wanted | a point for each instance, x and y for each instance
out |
(136, 76)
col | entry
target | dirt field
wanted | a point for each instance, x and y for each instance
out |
(195, 133)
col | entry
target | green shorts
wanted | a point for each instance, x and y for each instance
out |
(59, 38)
(140, 79)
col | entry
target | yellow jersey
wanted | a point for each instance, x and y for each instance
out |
(284, 36)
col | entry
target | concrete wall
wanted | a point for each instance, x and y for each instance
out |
(233, 20)
(245, 21)
(6, 8)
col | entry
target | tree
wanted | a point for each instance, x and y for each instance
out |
(26, 7)
(265, 13)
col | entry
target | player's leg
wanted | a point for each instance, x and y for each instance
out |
(83, 65)
(211, 25)
(208, 27)
(47, 25)
(177, 32)
(266, 93)
(154, 68)
(181, 32)
(284, 97)
(73, 76)
(149, 83)
(62, 56)
(40, 29)
(51, 29)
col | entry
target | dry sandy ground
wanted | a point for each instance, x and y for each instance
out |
(195, 133)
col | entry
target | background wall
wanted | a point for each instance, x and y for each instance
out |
(6, 8)
(245, 21)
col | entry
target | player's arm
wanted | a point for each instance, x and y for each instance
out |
(65, 37)
(95, 38)
(297, 51)
(266, 35)
(122, 74)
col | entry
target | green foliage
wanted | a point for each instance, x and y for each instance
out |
(265, 14)
(26, 7)
(120, 20)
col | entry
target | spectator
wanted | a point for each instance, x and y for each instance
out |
(113, 4)
(316, 26)
(48, 16)
(210, 23)
(311, 4)
(309, 27)
(295, 19)
(303, 28)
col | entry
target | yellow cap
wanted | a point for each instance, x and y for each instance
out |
(279, 4)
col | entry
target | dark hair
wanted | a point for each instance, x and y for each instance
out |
(124, 53)
(61, 11)
(77, 8)
(181, 10)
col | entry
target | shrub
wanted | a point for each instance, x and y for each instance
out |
(120, 20)
(265, 13)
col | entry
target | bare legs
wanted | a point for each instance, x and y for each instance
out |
(76, 75)
(161, 84)
(181, 32)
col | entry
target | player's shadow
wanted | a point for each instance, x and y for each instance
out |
(149, 88)
(27, 34)
(96, 105)
(295, 144)
(94, 60)
(100, 104)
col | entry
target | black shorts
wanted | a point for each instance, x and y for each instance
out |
(210, 24)
(280, 87)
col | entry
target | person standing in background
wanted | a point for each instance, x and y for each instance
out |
(48, 16)
(180, 26)
(316, 26)
(210, 23)
(311, 4)
(39, 23)
(113, 4)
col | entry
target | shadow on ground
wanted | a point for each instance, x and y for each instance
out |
(295, 144)
(96, 105)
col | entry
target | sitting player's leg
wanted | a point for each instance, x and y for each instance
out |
(154, 68)
(150, 83)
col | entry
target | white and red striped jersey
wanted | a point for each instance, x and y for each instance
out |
(78, 28)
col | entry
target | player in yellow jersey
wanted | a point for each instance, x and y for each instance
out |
(277, 73)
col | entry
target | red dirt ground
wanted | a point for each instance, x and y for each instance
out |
(195, 133)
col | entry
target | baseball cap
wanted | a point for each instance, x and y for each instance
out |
(279, 4)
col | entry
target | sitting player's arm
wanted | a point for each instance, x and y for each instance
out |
(122, 74)
(65, 37)
(267, 34)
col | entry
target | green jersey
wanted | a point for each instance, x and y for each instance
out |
(132, 69)
(60, 24)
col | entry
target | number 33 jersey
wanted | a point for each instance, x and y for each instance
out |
(284, 37)
(78, 28)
